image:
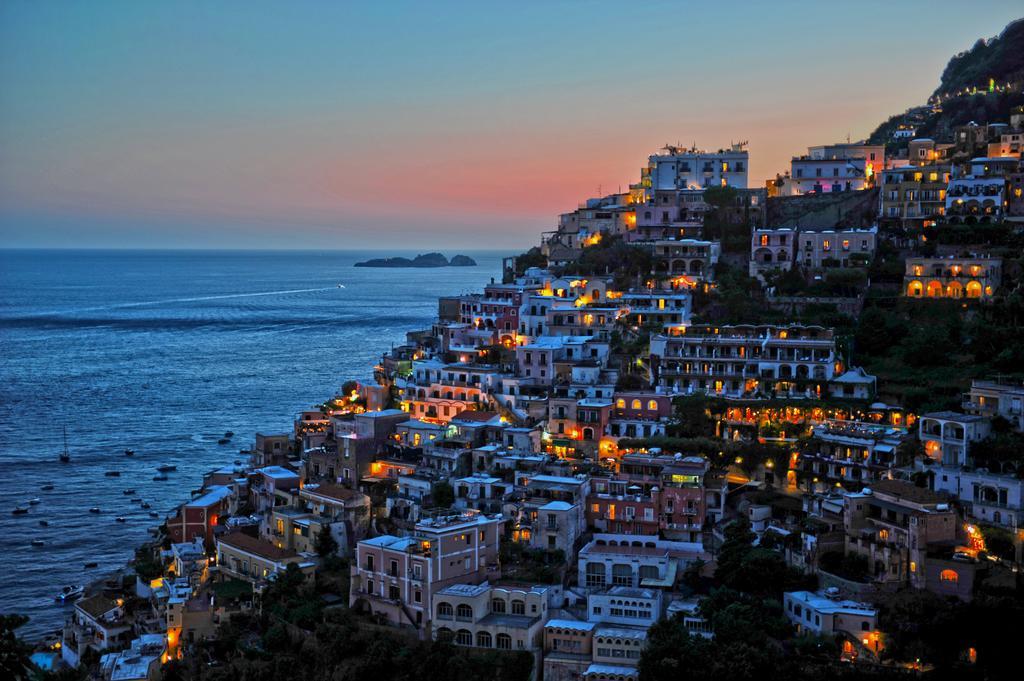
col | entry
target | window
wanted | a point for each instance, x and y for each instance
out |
(393, 593)
(504, 641)
(518, 608)
(464, 611)
(483, 639)
(497, 605)
(949, 577)
(464, 637)
(652, 405)
(635, 404)
(444, 610)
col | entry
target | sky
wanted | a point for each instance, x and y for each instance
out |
(422, 125)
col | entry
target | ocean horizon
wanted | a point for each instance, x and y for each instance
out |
(163, 351)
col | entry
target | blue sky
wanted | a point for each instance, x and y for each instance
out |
(231, 124)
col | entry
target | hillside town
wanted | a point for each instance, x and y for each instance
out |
(596, 445)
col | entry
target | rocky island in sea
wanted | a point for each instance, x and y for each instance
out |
(421, 260)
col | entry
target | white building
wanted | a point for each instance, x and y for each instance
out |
(827, 614)
(680, 168)
(996, 398)
(947, 435)
(625, 605)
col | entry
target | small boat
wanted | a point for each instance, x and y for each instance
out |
(34, 502)
(167, 467)
(65, 456)
(145, 504)
(47, 487)
(154, 514)
(129, 452)
(341, 286)
(20, 510)
(113, 474)
(70, 593)
(160, 478)
(89, 566)
(229, 434)
(44, 523)
(223, 441)
(129, 491)
(121, 519)
(38, 542)
(94, 509)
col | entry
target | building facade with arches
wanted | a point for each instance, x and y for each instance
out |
(972, 278)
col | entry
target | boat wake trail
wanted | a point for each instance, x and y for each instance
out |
(195, 299)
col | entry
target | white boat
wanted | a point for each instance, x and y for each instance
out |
(38, 542)
(94, 509)
(70, 593)
(121, 519)
(35, 501)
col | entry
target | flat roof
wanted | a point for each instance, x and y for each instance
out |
(211, 496)
(250, 544)
(570, 624)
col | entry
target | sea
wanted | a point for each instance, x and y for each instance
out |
(163, 352)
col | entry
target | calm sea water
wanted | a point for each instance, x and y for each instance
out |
(163, 352)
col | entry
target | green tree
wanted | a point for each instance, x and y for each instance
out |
(326, 544)
(442, 494)
(14, 653)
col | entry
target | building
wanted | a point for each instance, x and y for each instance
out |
(771, 250)
(986, 496)
(626, 606)
(245, 557)
(836, 168)
(950, 277)
(848, 453)
(999, 397)
(745, 361)
(634, 561)
(825, 614)
(680, 168)
(893, 524)
(976, 199)
(947, 435)
(495, 617)
(821, 248)
(198, 517)
(397, 578)
(913, 196)
(96, 622)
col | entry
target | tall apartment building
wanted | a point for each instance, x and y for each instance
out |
(398, 578)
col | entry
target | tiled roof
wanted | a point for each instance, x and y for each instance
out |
(249, 544)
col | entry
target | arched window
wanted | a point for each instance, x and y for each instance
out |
(444, 634)
(934, 289)
(595, 574)
(620, 403)
(483, 639)
(949, 577)
(914, 289)
(973, 289)
(652, 405)
(518, 608)
(497, 605)
(464, 637)
(504, 641)
(622, 575)
(464, 611)
(444, 610)
(635, 404)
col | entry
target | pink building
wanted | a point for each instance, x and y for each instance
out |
(397, 578)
